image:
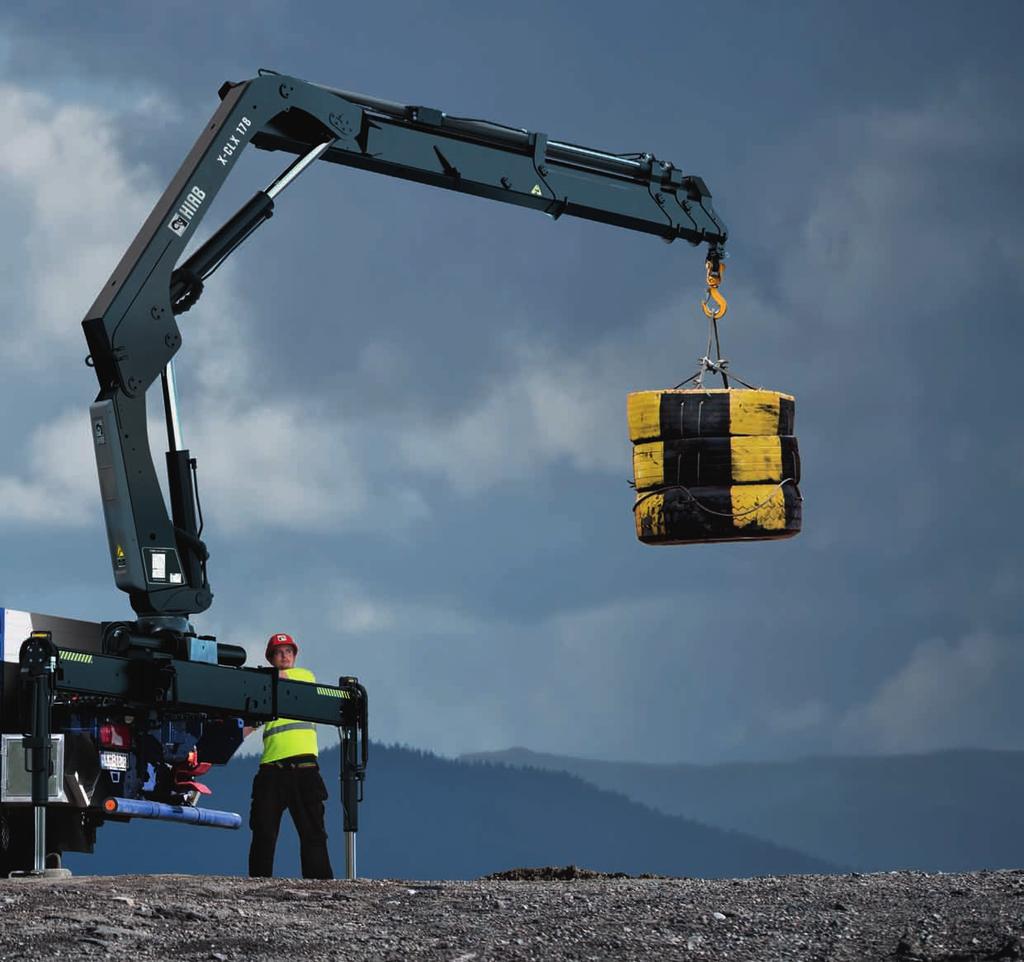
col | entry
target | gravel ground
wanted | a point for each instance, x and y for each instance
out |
(552, 914)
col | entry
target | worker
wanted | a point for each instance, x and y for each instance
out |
(288, 777)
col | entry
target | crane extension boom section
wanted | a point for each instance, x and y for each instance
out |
(132, 332)
(257, 694)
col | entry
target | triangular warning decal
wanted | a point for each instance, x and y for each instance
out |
(536, 190)
(119, 554)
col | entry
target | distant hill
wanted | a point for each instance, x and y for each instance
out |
(426, 817)
(951, 811)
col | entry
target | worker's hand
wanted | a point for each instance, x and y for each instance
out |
(247, 730)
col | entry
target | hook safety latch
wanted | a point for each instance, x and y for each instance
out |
(715, 269)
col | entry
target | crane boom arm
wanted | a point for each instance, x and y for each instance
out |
(132, 331)
(514, 166)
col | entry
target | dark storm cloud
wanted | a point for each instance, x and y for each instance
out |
(383, 334)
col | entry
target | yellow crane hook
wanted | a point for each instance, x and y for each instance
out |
(715, 270)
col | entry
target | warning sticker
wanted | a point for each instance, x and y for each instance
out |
(119, 557)
(162, 566)
(536, 190)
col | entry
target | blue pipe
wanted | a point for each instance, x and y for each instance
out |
(138, 808)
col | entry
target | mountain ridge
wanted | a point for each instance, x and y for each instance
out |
(946, 810)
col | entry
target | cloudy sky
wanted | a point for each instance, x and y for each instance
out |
(408, 406)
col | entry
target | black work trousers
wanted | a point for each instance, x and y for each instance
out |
(302, 792)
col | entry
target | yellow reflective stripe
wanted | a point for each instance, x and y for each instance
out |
(270, 730)
(75, 656)
(332, 692)
(756, 458)
(771, 513)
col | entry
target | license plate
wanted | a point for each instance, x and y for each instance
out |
(114, 761)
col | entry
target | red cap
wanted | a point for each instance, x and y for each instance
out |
(279, 640)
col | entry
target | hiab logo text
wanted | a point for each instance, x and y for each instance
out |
(188, 209)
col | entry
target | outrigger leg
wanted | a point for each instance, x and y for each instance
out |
(354, 751)
(38, 659)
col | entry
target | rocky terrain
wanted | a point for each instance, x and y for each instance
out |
(524, 914)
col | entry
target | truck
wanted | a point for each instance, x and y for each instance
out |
(120, 720)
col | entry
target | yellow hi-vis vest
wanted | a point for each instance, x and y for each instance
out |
(286, 737)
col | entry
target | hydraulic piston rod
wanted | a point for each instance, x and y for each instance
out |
(186, 281)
